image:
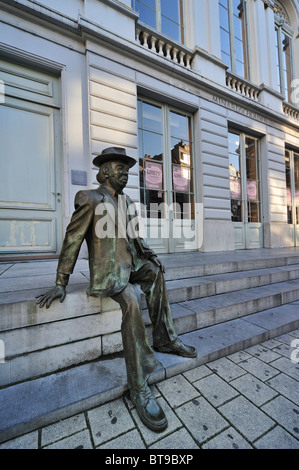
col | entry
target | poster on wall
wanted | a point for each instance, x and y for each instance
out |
(251, 190)
(181, 177)
(235, 188)
(153, 175)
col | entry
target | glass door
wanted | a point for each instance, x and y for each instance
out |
(166, 177)
(244, 172)
(292, 187)
(181, 197)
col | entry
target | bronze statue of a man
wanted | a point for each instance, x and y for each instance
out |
(116, 263)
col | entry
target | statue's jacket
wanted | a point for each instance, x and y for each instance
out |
(111, 258)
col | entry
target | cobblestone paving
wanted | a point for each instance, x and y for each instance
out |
(246, 400)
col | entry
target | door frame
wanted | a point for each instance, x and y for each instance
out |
(293, 227)
(171, 245)
(54, 72)
(245, 230)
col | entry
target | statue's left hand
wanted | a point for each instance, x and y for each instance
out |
(57, 292)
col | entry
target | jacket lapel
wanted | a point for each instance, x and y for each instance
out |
(116, 210)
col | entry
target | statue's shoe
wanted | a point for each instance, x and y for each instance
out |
(148, 409)
(177, 347)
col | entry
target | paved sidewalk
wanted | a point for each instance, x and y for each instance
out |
(246, 400)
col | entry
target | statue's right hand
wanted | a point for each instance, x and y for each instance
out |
(58, 292)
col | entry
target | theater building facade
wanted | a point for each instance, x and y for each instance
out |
(204, 94)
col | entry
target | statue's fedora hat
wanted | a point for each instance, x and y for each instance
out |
(114, 153)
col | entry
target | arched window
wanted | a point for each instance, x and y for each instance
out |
(284, 51)
(233, 33)
(166, 16)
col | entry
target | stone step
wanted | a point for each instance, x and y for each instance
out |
(206, 286)
(18, 307)
(42, 401)
(183, 266)
(40, 341)
(20, 282)
(202, 312)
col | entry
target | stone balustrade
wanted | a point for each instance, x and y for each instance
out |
(290, 111)
(163, 46)
(241, 86)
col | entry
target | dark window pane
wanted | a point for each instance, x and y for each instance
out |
(296, 171)
(277, 59)
(146, 15)
(238, 28)
(179, 126)
(253, 212)
(234, 166)
(234, 155)
(183, 205)
(239, 51)
(233, 36)
(152, 146)
(251, 159)
(288, 187)
(251, 169)
(152, 200)
(152, 118)
(181, 152)
(240, 69)
(224, 3)
(287, 65)
(140, 141)
(141, 172)
(226, 58)
(223, 12)
(290, 214)
(148, 3)
(236, 210)
(171, 29)
(237, 7)
(225, 43)
(170, 9)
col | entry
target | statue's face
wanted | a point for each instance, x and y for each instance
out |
(118, 175)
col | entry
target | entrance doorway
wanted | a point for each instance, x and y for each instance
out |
(292, 184)
(30, 187)
(166, 171)
(244, 168)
